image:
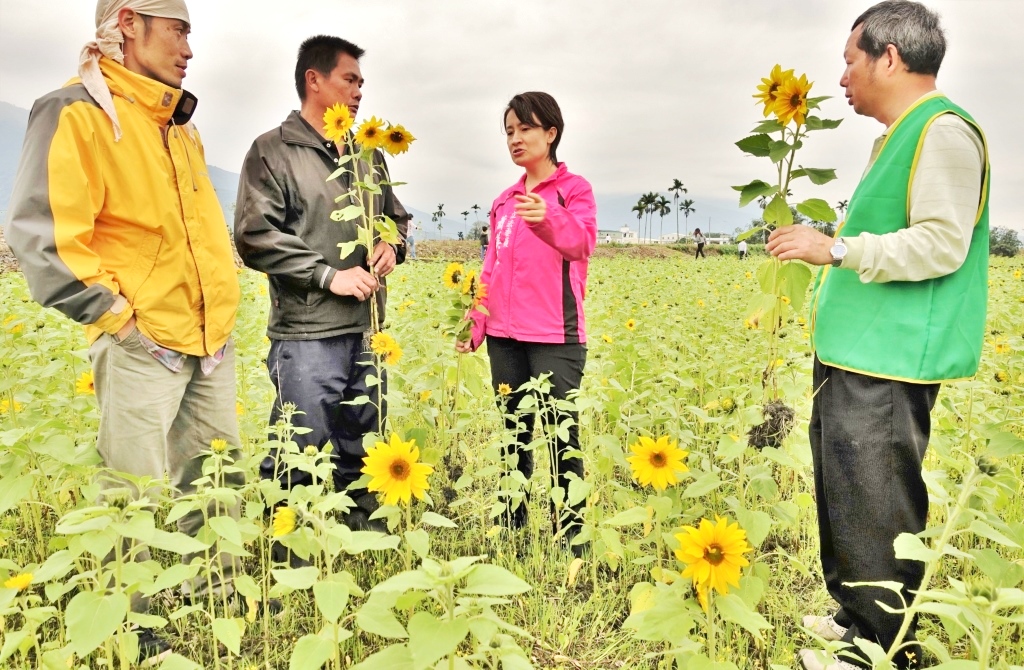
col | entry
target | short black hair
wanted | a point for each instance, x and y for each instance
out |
(544, 108)
(911, 27)
(320, 53)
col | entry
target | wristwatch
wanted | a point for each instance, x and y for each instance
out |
(838, 252)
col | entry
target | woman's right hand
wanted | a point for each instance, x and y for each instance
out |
(464, 347)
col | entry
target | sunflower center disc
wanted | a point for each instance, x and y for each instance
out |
(714, 555)
(399, 470)
(658, 459)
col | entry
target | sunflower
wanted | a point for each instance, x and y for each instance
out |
(7, 408)
(337, 123)
(469, 283)
(453, 275)
(19, 582)
(768, 89)
(631, 324)
(607, 339)
(425, 395)
(85, 384)
(657, 463)
(371, 134)
(285, 520)
(386, 347)
(1001, 376)
(397, 140)
(219, 446)
(239, 408)
(791, 100)
(713, 554)
(504, 389)
(395, 470)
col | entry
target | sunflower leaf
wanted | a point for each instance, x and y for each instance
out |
(814, 103)
(816, 175)
(780, 149)
(732, 608)
(777, 212)
(747, 234)
(753, 190)
(755, 145)
(769, 126)
(815, 123)
(817, 209)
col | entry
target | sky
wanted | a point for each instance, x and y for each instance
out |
(651, 90)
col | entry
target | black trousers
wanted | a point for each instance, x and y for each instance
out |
(515, 363)
(317, 376)
(700, 251)
(868, 440)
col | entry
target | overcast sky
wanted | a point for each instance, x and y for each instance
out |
(651, 90)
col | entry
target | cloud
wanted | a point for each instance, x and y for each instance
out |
(651, 90)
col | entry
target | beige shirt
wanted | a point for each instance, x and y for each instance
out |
(944, 199)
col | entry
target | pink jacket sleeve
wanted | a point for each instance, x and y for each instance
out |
(571, 230)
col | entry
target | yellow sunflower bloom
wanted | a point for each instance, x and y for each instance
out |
(768, 89)
(85, 384)
(607, 338)
(397, 140)
(239, 408)
(504, 389)
(7, 408)
(285, 520)
(395, 470)
(425, 395)
(657, 463)
(469, 283)
(713, 554)
(219, 446)
(631, 324)
(453, 275)
(1001, 376)
(19, 582)
(371, 134)
(791, 100)
(385, 346)
(337, 123)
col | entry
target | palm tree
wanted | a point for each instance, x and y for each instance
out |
(647, 200)
(465, 219)
(842, 205)
(687, 208)
(440, 212)
(676, 188)
(639, 208)
(661, 208)
(476, 212)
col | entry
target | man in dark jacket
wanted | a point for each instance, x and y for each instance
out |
(319, 312)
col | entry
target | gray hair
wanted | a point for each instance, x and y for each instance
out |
(910, 27)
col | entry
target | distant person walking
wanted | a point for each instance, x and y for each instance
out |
(484, 239)
(545, 229)
(699, 239)
(410, 241)
(742, 248)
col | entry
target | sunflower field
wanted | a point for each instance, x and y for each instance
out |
(702, 550)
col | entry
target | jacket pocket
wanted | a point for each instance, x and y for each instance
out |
(142, 266)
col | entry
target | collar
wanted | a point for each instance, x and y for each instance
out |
(296, 130)
(155, 99)
(553, 177)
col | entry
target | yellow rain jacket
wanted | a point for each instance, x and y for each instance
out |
(91, 218)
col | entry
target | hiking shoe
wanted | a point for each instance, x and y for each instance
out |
(824, 627)
(809, 660)
(152, 647)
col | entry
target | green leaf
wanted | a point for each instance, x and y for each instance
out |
(387, 230)
(92, 617)
(229, 633)
(368, 540)
(431, 639)
(311, 652)
(1004, 444)
(395, 657)
(419, 541)
(817, 209)
(779, 149)
(1003, 573)
(757, 524)
(331, 599)
(227, 528)
(755, 145)
(754, 190)
(768, 126)
(909, 547)
(12, 643)
(15, 489)
(376, 617)
(436, 520)
(749, 233)
(298, 578)
(816, 123)
(979, 527)
(814, 103)
(348, 213)
(729, 448)
(629, 517)
(492, 580)
(777, 212)
(794, 277)
(732, 608)
(347, 248)
(703, 485)
(171, 577)
(816, 175)
(177, 662)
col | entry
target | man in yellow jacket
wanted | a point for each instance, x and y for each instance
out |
(116, 224)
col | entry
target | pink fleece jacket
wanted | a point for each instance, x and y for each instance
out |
(536, 274)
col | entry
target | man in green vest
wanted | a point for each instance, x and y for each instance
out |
(898, 308)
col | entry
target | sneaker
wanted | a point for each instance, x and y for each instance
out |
(824, 627)
(152, 647)
(809, 659)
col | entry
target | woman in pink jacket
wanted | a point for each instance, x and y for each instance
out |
(543, 230)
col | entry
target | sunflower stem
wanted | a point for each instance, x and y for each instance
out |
(712, 647)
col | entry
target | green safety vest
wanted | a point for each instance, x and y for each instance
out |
(915, 331)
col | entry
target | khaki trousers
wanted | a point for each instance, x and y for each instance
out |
(156, 422)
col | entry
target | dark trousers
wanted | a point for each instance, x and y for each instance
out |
(318, 376)
(515, 363)
(868, 439)
(700, 251)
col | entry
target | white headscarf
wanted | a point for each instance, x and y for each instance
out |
(108, 43)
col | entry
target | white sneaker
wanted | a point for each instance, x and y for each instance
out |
(824, 627)
(809, 659)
